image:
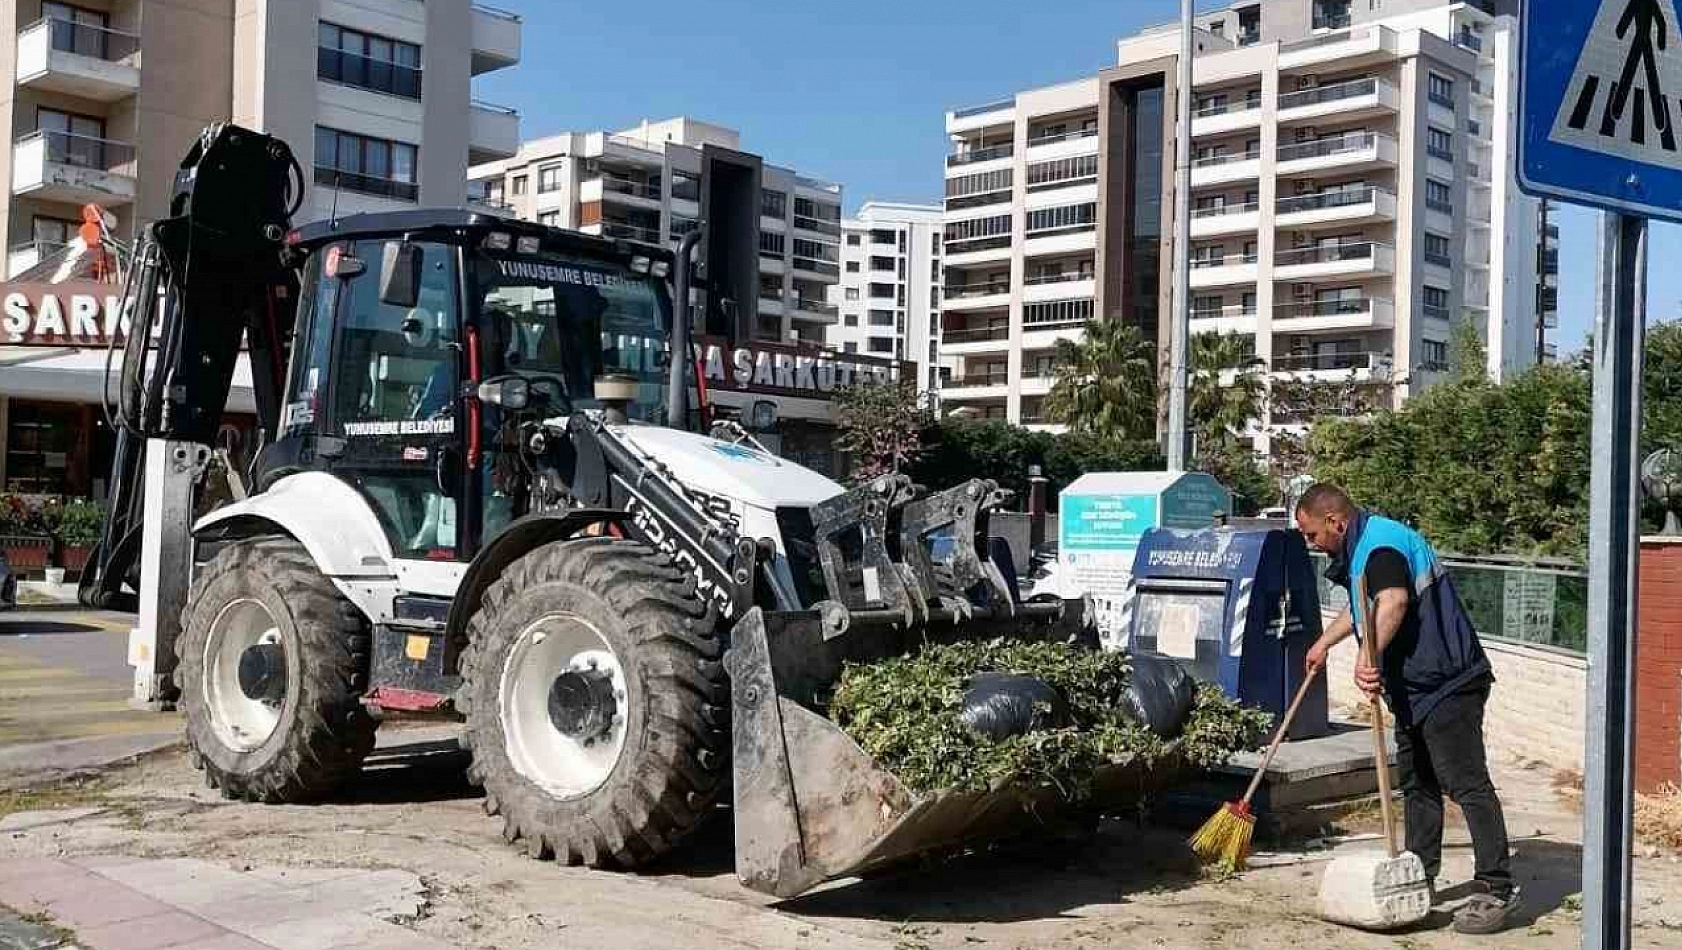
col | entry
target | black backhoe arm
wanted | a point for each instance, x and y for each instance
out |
(211, 274)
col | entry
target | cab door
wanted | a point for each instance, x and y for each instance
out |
(393, 396)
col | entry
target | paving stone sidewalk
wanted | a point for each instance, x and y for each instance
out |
(125, 903)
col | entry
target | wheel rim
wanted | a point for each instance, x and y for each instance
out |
(561, 648)
(241, 722)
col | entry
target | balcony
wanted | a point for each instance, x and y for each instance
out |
(1365, 258)
(21, 257)
(363, 72)
(1060, 241)
(818, 225)
(1232, 318)
(495, 36)
(977, 385)
(1059, 287)
(969, 118)
(1063, 144)
(1352, 48)
(810, 308)
(978, 250)
(78, 59)
(1238, 218)
(1368, 205)
(1469, 40)
(493, 133)
(974, 340)
(1329, 366)
(770, 302)
(1350, 152)
(1223, 117)
(1221, 169)
(974, 155)
(1226, 271)
(812, 265)
(1347, 100)
(630, 232)
(1358, 313)
(76, 169)
(979, 296)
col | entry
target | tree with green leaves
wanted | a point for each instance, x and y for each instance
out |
(1105, 384)
(881, 426)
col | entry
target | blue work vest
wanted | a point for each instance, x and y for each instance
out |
(1436, 652)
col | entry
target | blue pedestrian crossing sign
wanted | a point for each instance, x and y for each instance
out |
(1600, 99)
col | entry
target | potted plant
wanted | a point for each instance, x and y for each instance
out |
(75, 525)
(23, 534)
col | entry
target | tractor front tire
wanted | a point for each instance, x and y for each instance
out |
(308, 732)
(596, 703)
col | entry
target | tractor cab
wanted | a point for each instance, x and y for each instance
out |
(430, 347)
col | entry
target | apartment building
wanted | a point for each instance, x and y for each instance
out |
(104, 97)
(889, 293)
(1352, 197)
(647, 184)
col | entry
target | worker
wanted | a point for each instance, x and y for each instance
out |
(1433, 671)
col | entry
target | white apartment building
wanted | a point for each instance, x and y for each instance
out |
(1352, 197)
(889, 293)
(645, 184)
(105, 97)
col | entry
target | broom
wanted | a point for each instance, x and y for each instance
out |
(1226, 835)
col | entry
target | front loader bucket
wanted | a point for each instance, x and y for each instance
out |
(811, 805)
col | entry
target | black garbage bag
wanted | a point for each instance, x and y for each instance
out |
(1160, 694)
(1000, 705)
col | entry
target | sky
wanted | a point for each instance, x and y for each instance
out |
(856, 91)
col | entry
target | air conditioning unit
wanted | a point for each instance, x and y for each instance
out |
(1302, 291)
(1308, 133)
(1308, 82)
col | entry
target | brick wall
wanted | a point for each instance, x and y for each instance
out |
(1535, 710)
(1658, 665)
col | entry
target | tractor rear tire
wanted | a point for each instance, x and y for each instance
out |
(624, 623)
(306, 742)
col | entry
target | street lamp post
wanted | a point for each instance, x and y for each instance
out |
(1180, 336)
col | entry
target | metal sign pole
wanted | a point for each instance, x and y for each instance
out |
(1179, 337)
(1613, 552)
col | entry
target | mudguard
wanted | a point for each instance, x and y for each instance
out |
(332, 520)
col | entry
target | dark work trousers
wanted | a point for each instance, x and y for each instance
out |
(1445, 754)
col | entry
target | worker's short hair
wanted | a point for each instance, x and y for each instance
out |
(1324, 498)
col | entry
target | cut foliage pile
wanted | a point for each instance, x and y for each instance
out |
(906, 712)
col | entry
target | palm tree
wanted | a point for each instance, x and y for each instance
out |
(1105, 383)
(1226, 389)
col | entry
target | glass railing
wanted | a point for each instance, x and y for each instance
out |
(1246, 104)
(1326, 147)
(82, 151)
(1226, 260)
(1326, 254)
(977, 335)
(1470, 40)
(811, 305)
(815, 266)
(378, 75)
(1221, 211)
(1344, 36)
(1062, 137)
(975, 380)
(1340, 198)
(1305, 362)
(1230, 312)
(631, 232)
(86, 39)
(1211, 161)
(1335, 93)
(1058, 278)
(817, 224)
(981, 154)
(982, 109)
(636, 189)
(1340, 307)
(964, 291)
(970, 245)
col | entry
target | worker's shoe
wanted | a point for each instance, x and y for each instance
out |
(1486, 912)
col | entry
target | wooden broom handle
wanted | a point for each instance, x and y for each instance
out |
(1381, 755)
(1278, 737)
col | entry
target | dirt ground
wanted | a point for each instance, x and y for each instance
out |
(1127, 886)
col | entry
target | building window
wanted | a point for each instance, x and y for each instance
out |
(882, 291)
(687, 185)
(366, 165)
(73, 139)
(1435, 302)
(549, 179)
(852, 293)
(1434, 354)
(820, 216)
(1436, 250)
(1440, 90)
(1438, 196)
(878, 262)
(853, 240)
(851, 319)
(771, 244)
(773, 203)
(1062, 171)
(969, 191)
(1206, 306)
(1331, 14)
(549, 219)
(883, 236)
(518, 186)
(368, 61)
(1058, 311)
(1439, 144)
(85, 32)
(1249, 304)
(881, 318)
(817, 257)
(881, 345)
(849, 347)
(852, 267)
(1079, 217)
(977, 234)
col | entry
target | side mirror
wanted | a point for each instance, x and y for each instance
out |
(400, 274)
(509, 392)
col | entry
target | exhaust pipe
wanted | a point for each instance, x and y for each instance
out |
(677, 387)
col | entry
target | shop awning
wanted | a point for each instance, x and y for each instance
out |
(77, 374)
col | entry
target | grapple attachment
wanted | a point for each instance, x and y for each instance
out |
(811, 805)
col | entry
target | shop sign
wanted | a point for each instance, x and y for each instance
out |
(774, 369)
(73, 313)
